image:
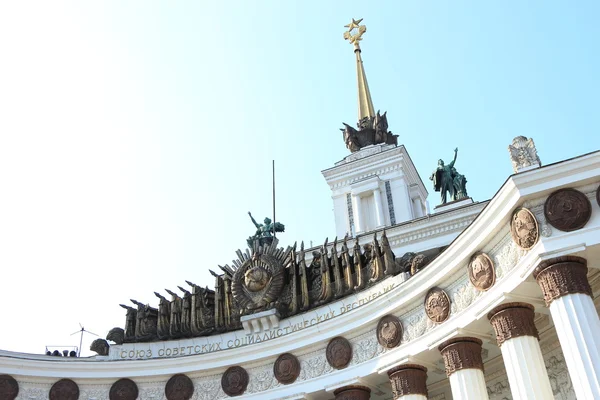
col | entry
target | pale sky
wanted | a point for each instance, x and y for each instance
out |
(135, 136)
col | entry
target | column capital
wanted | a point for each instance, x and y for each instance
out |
(461, 353)
(512, 320)
(408, 379)
(560, 276)
(352, 392)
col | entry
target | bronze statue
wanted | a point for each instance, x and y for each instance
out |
(164, 317)
(186, 312)
(116, 335)
(130, 320)
(371, 130)
(264, 232)
(388, 256)
(145, 327)
(100, 346)
(447, 180)
(202, 313)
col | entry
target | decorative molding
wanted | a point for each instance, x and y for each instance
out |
(390, 202)
(562, 276)
(512, 320)
(408, 379)
(461, 353)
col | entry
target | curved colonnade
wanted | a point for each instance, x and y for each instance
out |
(485, 290)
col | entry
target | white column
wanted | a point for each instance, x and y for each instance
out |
(468, 384)
(357, 209)
(568, 293)
(517, 337)
(464, 367)
(409, 382)
(378, 207)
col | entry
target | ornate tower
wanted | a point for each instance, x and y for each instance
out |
(377, 185)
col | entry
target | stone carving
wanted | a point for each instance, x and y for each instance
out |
(512, 320)
(9, 387)
(116, 335)
(234, 381)
(447, 180)
(179, 387)
(372, 130)
(437, 305)
(524, 228)
(339, 352)
(561, 276)
(64, 389)
(560, 381)
(264, 232)
(418, 263)
(461, 353)
(481, 271)
(523, 154)
(123, 389)
(568, 209)
(100, 346)
(389, 331)
(286, 368)
(353, 392)
(408, 379)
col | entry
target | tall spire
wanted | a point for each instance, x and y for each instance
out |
(365, 104)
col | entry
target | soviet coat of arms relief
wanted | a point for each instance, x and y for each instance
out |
(258, 278)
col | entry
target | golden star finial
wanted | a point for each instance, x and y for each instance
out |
(353, 24)
(353, 37)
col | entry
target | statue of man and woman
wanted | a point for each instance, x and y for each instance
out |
(447, 180)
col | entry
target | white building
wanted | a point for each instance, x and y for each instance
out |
(506, 308)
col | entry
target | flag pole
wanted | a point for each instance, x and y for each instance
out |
(273, 199)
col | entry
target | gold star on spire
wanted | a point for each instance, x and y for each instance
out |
(353, 24)
(352, 36)
(365, 104)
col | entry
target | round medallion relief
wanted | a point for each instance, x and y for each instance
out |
(389, 331)
(286, 368)
(9, 387)
(234, 381)
(339, 352)
(179, 387)
(481, 272)
(437, 305)
(123, 389)
(64, 389)
(568, 209)
(524, 228)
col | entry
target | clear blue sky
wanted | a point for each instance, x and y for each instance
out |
(135, 136)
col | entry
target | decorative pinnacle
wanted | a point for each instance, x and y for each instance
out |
(352, 36)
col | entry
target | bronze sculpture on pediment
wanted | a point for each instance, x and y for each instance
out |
(447, 180)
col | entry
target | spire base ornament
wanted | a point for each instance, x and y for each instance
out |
(372, 128)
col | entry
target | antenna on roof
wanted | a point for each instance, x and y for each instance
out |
(81, 337)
